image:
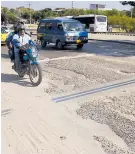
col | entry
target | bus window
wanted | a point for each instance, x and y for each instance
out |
(86, 21)
(101, 19)
(91, 20)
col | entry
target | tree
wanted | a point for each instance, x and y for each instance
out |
(3, 18)
(126, 23)
(25, 13)
(12, 18)
(48, 9)
(13, 11)
(4, 10)
(128, 13)
(131, 3)
(37, 15)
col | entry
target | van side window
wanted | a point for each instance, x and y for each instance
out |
(48, 26)
(54, 26)
(42, 26)
(59, 26)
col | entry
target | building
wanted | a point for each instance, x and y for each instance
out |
(98, 7)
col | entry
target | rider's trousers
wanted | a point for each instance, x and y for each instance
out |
(17, 60)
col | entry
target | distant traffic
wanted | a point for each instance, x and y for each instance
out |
(62, 32)
(92, 23)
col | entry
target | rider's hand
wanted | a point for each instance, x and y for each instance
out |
(10, 46)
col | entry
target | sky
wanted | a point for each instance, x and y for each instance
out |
(37, 5)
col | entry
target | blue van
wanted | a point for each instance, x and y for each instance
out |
(62, 32)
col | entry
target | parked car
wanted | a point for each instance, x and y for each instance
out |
(6, 29)
(4, 35)
(62, 31)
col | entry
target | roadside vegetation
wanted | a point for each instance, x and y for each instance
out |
(124, 20)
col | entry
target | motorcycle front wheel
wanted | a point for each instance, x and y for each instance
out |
(35, 74)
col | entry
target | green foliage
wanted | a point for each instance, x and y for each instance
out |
(12, 10)
(8, 15)
(73, 12)
(25, 12)
(115, 17)
(4, 10)
(3, 17)
(12, 17)
(126, 23)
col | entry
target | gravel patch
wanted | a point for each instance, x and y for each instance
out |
(115, 112)
(111, 148)
(85, 72)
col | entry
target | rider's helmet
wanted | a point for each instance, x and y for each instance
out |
(21, 27)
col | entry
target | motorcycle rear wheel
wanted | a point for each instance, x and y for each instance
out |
(35, 70)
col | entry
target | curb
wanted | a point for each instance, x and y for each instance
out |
(122, 42)
(97, 33)
(113, 41)
(115, 33)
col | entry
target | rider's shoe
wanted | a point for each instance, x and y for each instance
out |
(13, 67)
(20, 75)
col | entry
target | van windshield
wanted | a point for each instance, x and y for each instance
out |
(73, 26)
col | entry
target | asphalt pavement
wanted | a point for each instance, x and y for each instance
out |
(92, 47)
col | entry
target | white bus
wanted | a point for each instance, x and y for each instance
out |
(93, 23)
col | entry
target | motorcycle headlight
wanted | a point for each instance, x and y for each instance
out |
(34, 52)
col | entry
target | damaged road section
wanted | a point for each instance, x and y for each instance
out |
(81, 73)
(118, 113)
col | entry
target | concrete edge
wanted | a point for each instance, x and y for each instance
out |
(114, 41)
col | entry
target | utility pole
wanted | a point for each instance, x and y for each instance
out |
(72, 4)
(131, 11)
(30, 12)
(97, 8)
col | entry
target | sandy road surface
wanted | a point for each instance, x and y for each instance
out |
(33, 124)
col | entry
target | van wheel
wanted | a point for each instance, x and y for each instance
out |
(59, 45)
(79, 46)
(43, 43)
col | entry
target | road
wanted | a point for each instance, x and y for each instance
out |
(96, 83)
(93, 47)
(119, 38)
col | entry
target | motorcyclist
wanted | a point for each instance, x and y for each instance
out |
(22, 23)
(22, 38)
(9, 42)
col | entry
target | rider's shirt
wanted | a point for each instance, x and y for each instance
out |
(23, 39)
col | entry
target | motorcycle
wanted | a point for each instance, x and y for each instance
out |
(28, 62)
